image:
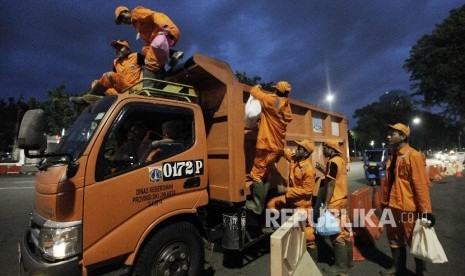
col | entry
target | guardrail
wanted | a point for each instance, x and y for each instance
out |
(10, 168)
(288, 249)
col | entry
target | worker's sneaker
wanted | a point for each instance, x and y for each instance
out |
(77, 100)
(175, 58)
(269, 230)
(90, 98)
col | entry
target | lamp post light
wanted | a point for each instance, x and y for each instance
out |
(372, 143)
(352, 134)
(383, 144)
(330, 99)
(416, 120)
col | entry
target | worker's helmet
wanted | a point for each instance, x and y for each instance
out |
(121, 42)
(283, 87)
(402, 128)
(332, 143)
(118, 12)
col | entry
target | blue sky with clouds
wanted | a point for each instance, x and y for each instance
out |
(354, 48)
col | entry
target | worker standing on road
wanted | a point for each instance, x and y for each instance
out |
(298, 193)
(335, 200)
(127, 70)
(276, 114)
(407, 197)
(159, 33)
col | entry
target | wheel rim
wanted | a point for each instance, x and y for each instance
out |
(174, 259)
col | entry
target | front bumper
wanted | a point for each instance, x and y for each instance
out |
(32, 263)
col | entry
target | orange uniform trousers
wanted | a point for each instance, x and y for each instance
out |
(403, 229)
(263, 159)
(281, 202)
(114, 82)
(339, 210)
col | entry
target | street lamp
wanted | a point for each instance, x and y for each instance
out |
(352, 133)
(416, 120)
(383, 144)
(372, 143)
(330, 99)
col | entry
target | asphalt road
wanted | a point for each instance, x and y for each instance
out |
(16, 201)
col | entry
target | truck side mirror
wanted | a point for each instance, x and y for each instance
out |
(31, 132)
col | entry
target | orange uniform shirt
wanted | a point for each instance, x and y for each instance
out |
(301, 181)
(276, 114)
(410, 190)
(148, 23)
(130, 68)
(336, 170)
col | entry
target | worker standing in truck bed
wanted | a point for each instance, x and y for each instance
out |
(276, 114)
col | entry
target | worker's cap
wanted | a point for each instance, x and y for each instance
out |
(118, 12)
(283, 86)
(121, 42)
(332, 143)
(306, 144)
(402, 128)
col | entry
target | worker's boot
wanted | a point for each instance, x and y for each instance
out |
(313, 251)
(77, 100)
(420, 267)
(350, 260)
(175, 57)
(259, 192)
(269, 230)
(341, 259)
(399, 259)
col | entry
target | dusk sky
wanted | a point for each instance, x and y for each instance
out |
(356, 48)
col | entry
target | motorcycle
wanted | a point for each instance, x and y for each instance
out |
(374, 165)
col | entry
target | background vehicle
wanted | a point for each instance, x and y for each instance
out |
(374, 164)
(162, 173)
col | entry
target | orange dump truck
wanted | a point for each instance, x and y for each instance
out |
(145, 182)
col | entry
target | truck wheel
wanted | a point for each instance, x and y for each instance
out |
(176, 249)
(373, 182)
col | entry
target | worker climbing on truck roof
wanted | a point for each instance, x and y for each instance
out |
(159, 33)
(298, 193)
(276, 114)
(127, 70)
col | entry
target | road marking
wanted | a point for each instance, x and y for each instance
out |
(16, 188)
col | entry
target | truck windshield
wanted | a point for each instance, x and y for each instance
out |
(82, 130)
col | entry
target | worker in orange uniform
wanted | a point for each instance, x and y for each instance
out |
(127, 70)
(407, 197)
(335, 200)
(276, 114)
(299, 191)
(159, 33)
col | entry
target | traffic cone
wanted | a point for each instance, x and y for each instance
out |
(458, 174)
(357, 256)
(376, 202)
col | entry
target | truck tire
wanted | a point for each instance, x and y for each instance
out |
(176, 249)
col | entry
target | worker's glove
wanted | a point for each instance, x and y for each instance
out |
(281, 189)
(431, 219)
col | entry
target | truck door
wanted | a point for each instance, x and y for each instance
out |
(143, 162)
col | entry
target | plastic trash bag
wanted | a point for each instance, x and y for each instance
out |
(425, 243)
(253, 110)
(327, 225)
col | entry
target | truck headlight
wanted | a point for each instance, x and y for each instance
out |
(60, 243)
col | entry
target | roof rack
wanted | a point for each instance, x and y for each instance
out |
(163, 89)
